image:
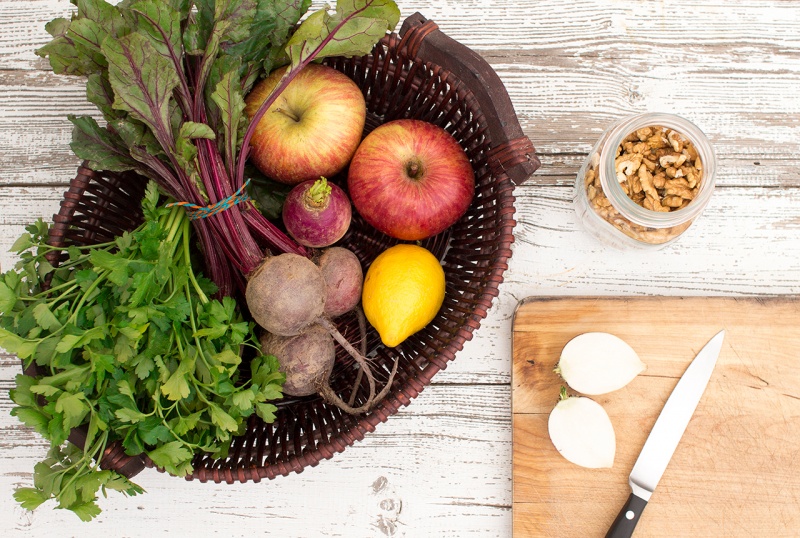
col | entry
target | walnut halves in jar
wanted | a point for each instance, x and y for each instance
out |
(645, 181)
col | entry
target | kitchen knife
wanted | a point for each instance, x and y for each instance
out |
(665, 435)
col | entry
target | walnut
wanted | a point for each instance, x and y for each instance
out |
(646, 180)
(674, 161)
(658, 169)
(678, 190)
(590, 177)
(675, 140)
(666, 165)
(657, 141)
(627, 164)
(672, 201)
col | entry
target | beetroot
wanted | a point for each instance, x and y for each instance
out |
(344, 279)
(286, 294)
(306, 359)
(316, 213)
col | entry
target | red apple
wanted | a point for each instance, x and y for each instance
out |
(311, 130)
(410, 179)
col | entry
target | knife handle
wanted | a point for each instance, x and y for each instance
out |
(627, 518)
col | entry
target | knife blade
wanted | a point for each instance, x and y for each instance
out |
(665, 436)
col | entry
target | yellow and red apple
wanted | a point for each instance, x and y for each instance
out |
(311, 130)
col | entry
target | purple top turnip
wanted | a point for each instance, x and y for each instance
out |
(317, 213)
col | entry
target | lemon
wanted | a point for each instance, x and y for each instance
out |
(403, 291)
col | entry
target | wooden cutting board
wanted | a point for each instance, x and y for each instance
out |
(736, 471)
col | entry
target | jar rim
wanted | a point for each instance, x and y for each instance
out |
(623, 203)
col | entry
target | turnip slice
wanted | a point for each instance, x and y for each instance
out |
(598, 363)
(581, 431)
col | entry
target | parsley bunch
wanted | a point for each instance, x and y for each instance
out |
(132, 347)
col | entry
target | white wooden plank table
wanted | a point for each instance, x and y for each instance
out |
(442, 466)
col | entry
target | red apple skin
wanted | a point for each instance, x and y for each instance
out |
(311, 130)
(384, 192)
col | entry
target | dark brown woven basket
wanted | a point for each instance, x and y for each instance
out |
(423, 74)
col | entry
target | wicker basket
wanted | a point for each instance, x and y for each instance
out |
(423, 74)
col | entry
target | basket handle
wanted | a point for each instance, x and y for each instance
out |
(512, 152)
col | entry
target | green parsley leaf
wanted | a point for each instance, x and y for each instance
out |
(177, 386)
(88, 485)
(20, 347)
(266, 412)
(227, 356)
(23, 242)
(184, 424)
(130, 415)
(117, 482)
(32, 418)
(45, 390)
(222, 419)
(73, 408)
(21, 394)
(29, 498)
(243, 399)
(171, 456)
(44, 317)
(152, 430)
(86, 511)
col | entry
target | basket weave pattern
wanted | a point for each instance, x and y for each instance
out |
(398, 82)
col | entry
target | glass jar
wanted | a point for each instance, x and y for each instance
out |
(645, 182)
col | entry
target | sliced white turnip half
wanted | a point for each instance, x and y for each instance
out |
(598, 363)
(582, 432)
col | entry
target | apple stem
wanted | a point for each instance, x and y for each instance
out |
(288, 114)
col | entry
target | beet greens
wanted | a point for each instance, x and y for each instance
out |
(169, 77)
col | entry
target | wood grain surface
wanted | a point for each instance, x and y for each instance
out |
(736, 471)
(442, 467)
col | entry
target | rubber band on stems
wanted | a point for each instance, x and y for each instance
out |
(195, 211)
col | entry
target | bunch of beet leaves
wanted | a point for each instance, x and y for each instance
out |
(170, 76)
(169, 79)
